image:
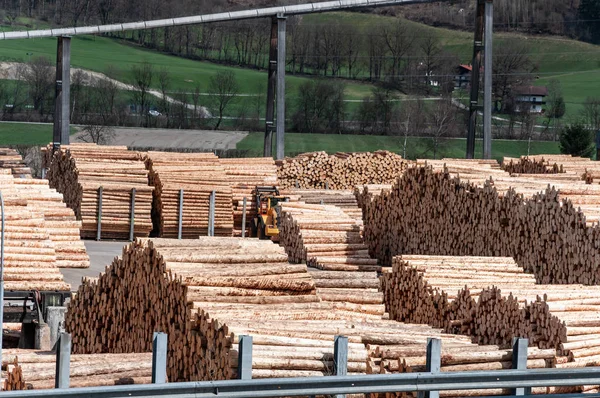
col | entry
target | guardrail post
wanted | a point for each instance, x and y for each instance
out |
(99, 228)
(340, 358)
(132, 215)
(159, 358)
(244, 219)
(63, 361)
(297, 183)
(245, 358)
(180, 220)
(519, 361)
(433, 364)
(211, 214)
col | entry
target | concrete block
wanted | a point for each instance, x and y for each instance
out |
(55, 318)
(42, 337)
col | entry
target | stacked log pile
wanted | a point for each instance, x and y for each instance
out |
(35, 370)
(366, 193)
(244, 175)
(78, 171)
(331, 244)
(530, 165)
(10, 159)
(206, 301)
(29, 254)
(432, 212)
(340, 171)
(59, 221)
(492, 300)
(344, 199)
(197, 174)
(573, 167)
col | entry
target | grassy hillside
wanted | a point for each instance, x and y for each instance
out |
(416, 148)
(26, 134)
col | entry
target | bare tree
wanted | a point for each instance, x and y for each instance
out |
(591, 112)
(96, 132)
(222, 90)
(409, 119)
(142, 76)
(164, 82)
(39, 76)
(400, 41)
(442, 123)
(512, 67)
(555, 107)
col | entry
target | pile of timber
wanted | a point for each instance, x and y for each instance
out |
(530, 165)
(492, 300)
(29, 253)
(35, 370)
(432, 211)
(344, 199)
(365, 193)
(197, 175)
(573, 167)
(340, 171)
(206, 301)
(329, 241)
(79, 170)
(59, 221)
(244, 175)
(10, 159)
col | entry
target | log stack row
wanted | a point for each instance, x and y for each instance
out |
(29, 253)
(10, 159)
(433, 212)
(79, 170)
(492, 300)
(576, 168)
(531, 165)
(340, 171)
(197, 174)
(244, 175)
(330, 242)
(206, 301)
(346, 200)
(35, 370)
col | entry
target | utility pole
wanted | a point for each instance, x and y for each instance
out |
(487, 80)
(474, 106)
(272, 73)
(61, 128)
(280, 138)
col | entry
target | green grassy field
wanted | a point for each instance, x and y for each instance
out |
(416, 147)
(26, 134)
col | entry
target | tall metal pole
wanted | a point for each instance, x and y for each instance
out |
(63, 92)
(476, 66)
(270, 116)
(1, 270)
(487, 80)
(280, 138)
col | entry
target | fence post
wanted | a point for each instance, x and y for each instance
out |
(245, 358)
(519, 361)
(244, 219)
(211, 214)
(180, 220)
(159, 358)
(132, 215)
(340, 358)
(433, 364)
(63, 361)
(99, 228)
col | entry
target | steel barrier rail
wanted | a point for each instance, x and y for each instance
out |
(218, 17)
(332, 385)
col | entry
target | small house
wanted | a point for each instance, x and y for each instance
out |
(463, 78)
(530, 98)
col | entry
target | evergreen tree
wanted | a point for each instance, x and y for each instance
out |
(589, 15)
(577, 140)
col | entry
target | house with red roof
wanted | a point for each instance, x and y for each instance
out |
(530, 98)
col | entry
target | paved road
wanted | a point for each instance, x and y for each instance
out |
(173, 138)
(101, 254)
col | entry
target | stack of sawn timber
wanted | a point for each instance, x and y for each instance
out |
(492, 300)
(331, 244)
(197, 174)
(29, 254)
(431, 211)
(340, 171)
(205, 301)
(79, 170)
(244, 175)
(344, 199)
(10, 159)
(35, 370)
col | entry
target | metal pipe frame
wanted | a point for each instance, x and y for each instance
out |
(2, 222)
(280, 125)
(487, 80)
(333, 385)
(207, 18)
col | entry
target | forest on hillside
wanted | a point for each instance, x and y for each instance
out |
(574, 18)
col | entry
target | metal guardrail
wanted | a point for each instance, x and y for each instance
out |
(198, 19)
(427, 384)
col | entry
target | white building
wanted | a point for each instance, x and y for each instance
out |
(530, 98)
